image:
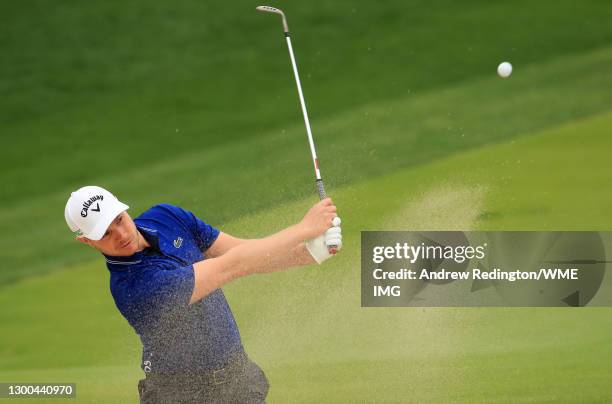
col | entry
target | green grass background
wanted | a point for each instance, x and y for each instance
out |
(194, 104)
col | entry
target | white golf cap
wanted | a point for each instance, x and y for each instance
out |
(90, 210)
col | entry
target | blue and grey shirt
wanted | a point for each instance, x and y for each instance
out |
(152, 289)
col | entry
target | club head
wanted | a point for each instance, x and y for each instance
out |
(268, 9)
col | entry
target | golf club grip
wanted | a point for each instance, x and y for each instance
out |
(321, 189)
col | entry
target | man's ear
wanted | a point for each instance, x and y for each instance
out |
(83, 240)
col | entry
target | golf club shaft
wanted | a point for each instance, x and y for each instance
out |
(315, 161)
(319, 181)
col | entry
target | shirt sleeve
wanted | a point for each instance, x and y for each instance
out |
(204, 234)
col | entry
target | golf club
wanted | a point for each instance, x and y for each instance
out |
(319, 181)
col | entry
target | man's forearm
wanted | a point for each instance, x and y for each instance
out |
(297, 256)
(273, 253)
(268, 254)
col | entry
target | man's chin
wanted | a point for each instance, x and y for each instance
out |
(126, 251)
(130, 250)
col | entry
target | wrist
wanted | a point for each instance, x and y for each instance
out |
(301, 231)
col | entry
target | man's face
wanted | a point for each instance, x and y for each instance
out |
(120, 240)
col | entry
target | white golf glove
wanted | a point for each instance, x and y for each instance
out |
(319, 247)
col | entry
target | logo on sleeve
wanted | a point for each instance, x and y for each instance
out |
(178, 242)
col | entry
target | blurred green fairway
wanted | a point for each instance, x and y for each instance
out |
(195, 105)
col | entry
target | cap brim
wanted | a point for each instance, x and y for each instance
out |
(102, 225)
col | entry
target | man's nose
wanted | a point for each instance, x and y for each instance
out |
(120, 233)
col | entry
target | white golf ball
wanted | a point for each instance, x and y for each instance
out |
(504, 69)
(336, 221)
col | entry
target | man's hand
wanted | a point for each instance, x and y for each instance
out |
(319, 247)
(325, 245)
(318, 219)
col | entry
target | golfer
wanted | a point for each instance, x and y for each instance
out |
(167, 268)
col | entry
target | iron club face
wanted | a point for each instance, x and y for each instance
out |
(273, 10)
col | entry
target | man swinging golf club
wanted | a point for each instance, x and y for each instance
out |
(167, 268)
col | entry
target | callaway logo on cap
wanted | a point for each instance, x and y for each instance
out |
(90, 210)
